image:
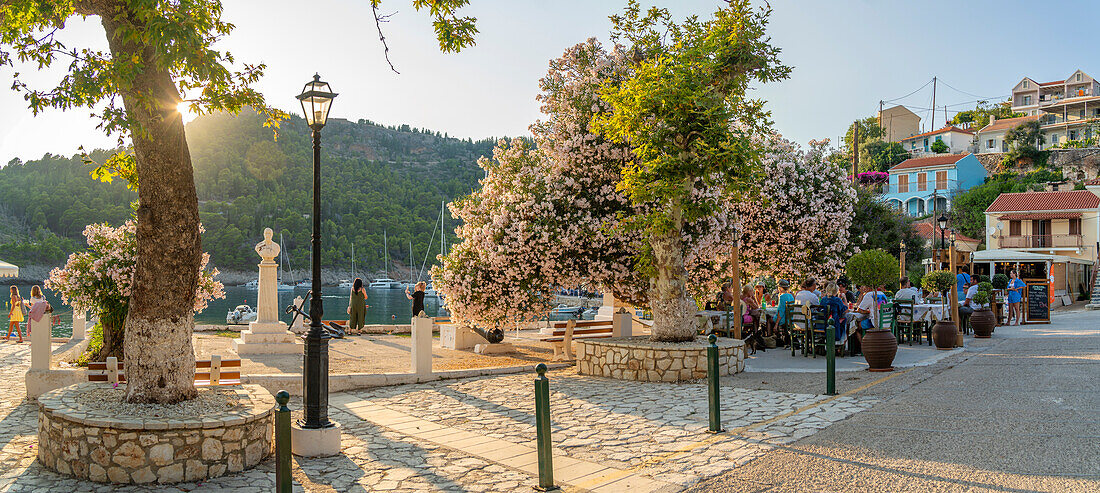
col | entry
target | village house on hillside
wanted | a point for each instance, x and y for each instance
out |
(927, 184)
(957, 140)
(1063, 107)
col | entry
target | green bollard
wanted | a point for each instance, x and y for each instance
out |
(542, 430)
(284, 482)
(712, 385)
(830, 358)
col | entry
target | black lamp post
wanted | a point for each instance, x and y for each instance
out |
(943, 227)
(316, 98)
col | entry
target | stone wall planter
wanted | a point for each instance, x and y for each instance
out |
(87, 443)
(638, 358)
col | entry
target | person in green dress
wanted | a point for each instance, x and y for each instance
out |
(357, 307)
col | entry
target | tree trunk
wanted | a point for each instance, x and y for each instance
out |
(673, 312)
(160, 361)
(112, 323)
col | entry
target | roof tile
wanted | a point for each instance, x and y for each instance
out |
(1044, 201)
(1008, 123)
(926, 230)
(923, 162)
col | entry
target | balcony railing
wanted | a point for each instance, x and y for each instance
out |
(1042, 241)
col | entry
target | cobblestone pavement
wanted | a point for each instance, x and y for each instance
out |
(651, 429)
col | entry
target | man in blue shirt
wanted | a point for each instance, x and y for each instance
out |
(962, 279)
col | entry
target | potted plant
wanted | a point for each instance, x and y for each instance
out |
(945, 331)
(1000, 284)
(875, 268)
(983, 319)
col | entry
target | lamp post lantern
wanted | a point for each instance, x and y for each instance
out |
(943, 242)
(316, 99)
(901, 259)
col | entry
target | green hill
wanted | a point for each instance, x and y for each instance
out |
(375, 179)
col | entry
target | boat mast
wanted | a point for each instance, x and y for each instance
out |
(353, 260)
(386, 247)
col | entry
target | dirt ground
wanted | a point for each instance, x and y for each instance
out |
(375, 354)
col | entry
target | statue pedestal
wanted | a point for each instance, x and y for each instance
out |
(267, 338)
(267, 335)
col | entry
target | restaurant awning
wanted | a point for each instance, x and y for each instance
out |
(1005, 255)
(8, 270)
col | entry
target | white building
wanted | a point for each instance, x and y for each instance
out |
(1063, 107)
(958, 141)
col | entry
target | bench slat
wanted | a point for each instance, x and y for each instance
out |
(560, 339)
(225, 363)
(585, 331)
(587, 323)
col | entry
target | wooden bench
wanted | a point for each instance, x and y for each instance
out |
(565, 332)
(208, 373)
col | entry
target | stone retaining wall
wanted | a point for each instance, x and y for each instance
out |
(639, 359)
(93, 445)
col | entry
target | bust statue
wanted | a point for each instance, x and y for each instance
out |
(268, 249)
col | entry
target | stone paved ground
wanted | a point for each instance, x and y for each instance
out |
(653, 430)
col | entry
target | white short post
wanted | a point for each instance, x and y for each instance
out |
(621, 324)
(422, 345)
(40, 342)
(215, 369)
(80, 325)
(112, 370)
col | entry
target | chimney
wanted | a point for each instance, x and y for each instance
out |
(992, 119)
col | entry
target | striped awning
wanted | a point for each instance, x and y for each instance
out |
(8, 270)
(1032, 216)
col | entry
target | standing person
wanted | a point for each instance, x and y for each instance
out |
(1015, 296)
(357, 307)
(417, 297)
(962, 280)
(15, 315)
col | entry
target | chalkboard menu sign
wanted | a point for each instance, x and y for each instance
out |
(1038, 301)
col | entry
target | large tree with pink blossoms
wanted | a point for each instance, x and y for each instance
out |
(647, 216)
(797, 225)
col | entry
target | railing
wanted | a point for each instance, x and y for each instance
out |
(1042, 241)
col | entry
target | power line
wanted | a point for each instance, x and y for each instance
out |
(910, 94)
(961, 91)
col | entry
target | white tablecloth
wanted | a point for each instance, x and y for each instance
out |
(925, 311)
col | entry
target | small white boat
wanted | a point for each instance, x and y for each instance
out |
(430, 293)
(346, 284)
(253, 284)
(285, 287)
(383, 283)
(304, 284)
(566, 310)
(240, 315)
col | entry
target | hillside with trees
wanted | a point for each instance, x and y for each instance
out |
(375, 180)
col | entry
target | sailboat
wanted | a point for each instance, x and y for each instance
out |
(282, 285)
(430, 291)
(345, 283)
(385, 282)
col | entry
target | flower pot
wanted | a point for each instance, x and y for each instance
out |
(879, 349)
(983, 322)
(945, 334)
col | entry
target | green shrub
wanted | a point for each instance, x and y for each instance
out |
(872, 268)
(981, 297)
(939, 281)
(1000, 281)
(95, 343)
(985, 287)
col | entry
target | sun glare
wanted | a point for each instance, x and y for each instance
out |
(184, 109)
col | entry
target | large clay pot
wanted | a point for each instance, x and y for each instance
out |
(945, 334)
(983, 322)
(879, 348)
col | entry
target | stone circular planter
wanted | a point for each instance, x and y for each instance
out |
(944, 334)
(983, 322)
(88, 442)
(879, 348)
(638, 358)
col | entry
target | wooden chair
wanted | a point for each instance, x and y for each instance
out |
(819, 323)
(905, 327)
(886, 318)
(798, 328)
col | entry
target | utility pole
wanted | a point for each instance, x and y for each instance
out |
(932, 121)
(855, 150)
(889, 138)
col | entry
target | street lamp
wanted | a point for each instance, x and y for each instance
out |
(943, 226)
(316, 98)
(901, 259)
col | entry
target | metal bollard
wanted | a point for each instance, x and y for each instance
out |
(542, 430)
(830, 359)
(284, 482)
(712, 385)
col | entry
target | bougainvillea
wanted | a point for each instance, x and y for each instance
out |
(797, 225)
(100, 280)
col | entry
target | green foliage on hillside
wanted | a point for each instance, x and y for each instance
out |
(979, 116)
(374, 179)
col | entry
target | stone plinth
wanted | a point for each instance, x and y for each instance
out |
(267, 335)
(315, 442)
(454, 336)
(102, 445)
(638, 358)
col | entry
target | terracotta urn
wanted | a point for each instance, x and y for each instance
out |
(983, 322)
(945, 334)
(879, 348)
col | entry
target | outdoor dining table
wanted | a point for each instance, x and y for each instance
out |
(925, 311)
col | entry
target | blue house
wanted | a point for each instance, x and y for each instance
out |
(926, 185)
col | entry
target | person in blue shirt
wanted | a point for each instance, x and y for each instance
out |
(838, 308)
(784, 297)
(962, 279)
(1015, 297)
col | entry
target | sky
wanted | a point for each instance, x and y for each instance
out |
(847, 55)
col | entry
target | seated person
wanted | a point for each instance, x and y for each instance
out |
(967, 306)
(845, 292)
(838, 309)
(752, 308)
(806, 296)
(908, 292)
(726, 298)
(783, 296)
